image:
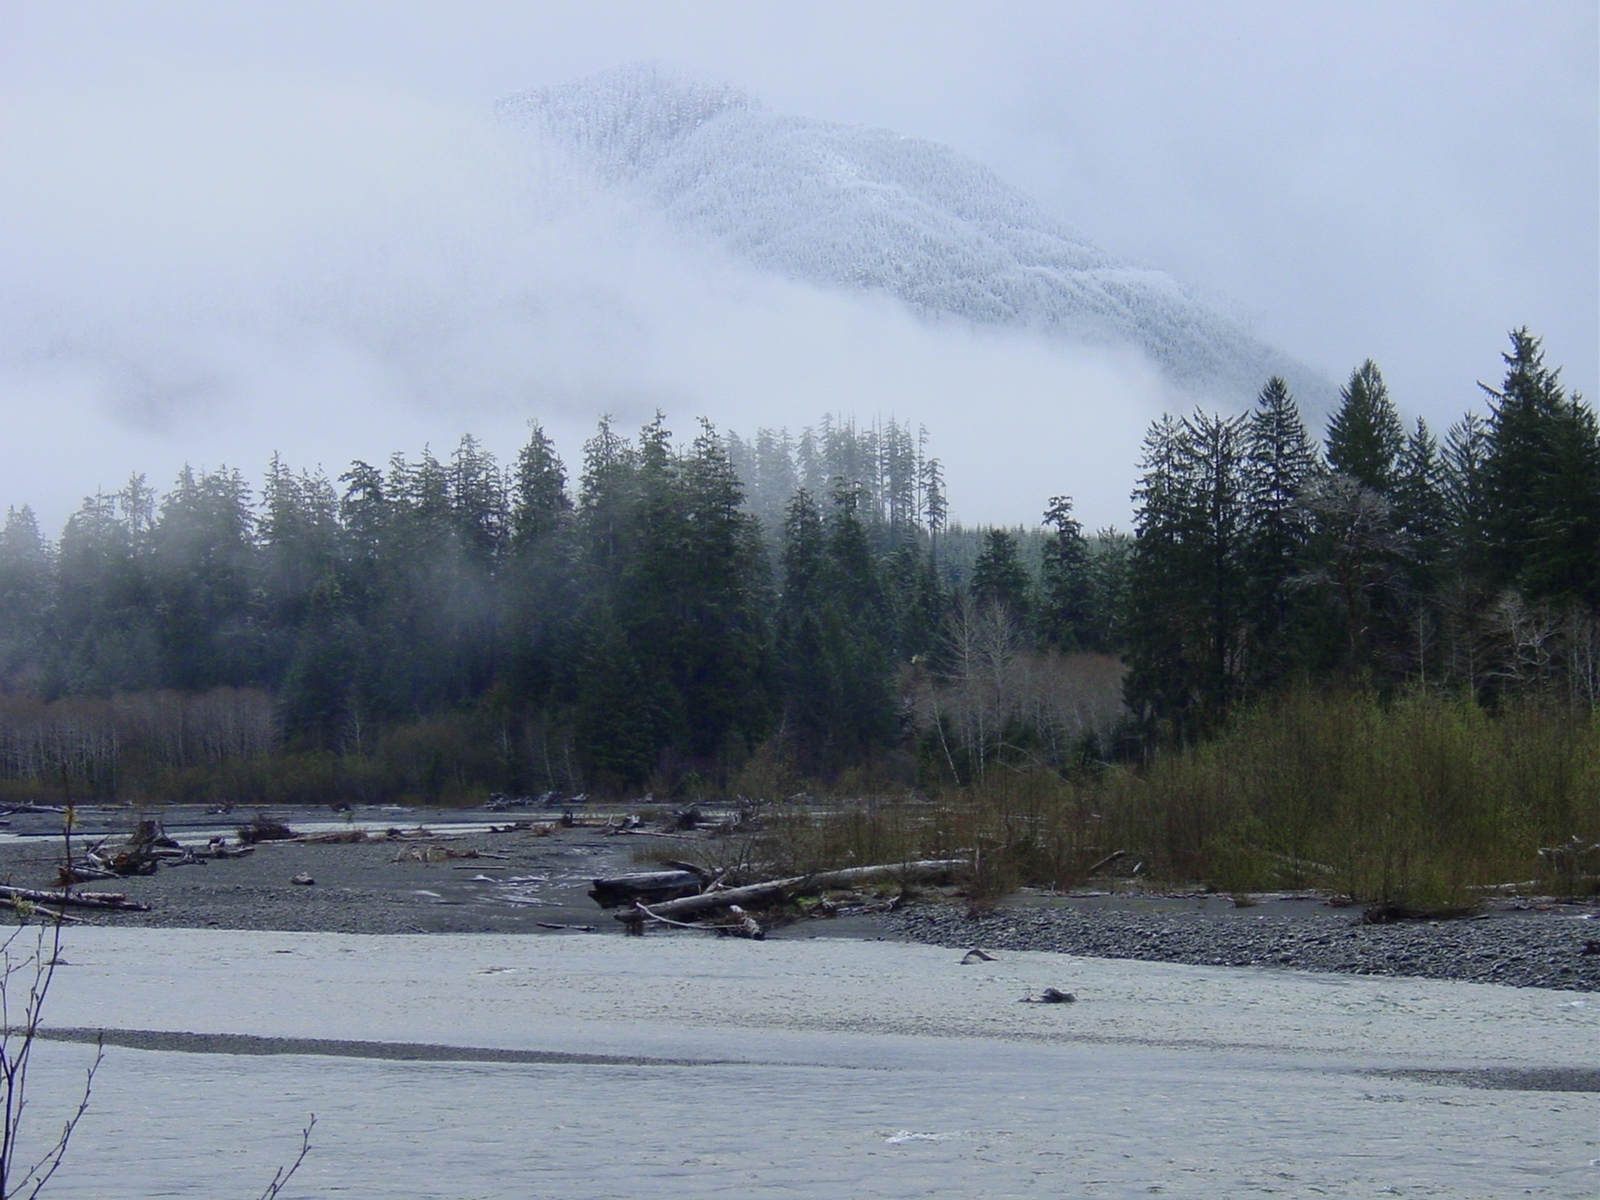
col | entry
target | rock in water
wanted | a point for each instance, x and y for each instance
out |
(1051, 996)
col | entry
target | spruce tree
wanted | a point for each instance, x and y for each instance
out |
(806, 667)
(1187, 576)
(104, 612)
(1541, 482)
(541, 593)
(25, 582)
(1157, 685)
(1065, 581)
(1219, 531)
(202, 565)
(726, 682)
(857, 628)
(999, 577)
(1463, 491)
(1419, 504)
(1109, 557)
(1280, 461)
(1365, 436)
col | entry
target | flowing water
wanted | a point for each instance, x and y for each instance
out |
(802, 1068)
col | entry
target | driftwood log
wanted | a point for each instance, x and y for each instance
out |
(776, 890)
(116, 900)
(648, 886)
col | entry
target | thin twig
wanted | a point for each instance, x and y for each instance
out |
(281, 1179)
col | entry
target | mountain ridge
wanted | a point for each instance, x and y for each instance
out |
(866, 208)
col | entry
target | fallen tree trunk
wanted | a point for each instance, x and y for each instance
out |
(116, 900)
(53, 914)
(775, 890)
(645, 885)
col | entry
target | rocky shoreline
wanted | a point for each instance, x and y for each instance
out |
(477, 872)
(1556, 948)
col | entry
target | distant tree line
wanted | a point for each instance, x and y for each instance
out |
(660, 619)
(686, 610)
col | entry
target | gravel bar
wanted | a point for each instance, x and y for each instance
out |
(1546, 950)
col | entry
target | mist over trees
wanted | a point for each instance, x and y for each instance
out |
(721, 613)
(432, 624)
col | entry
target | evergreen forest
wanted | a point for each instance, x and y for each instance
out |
(708, 616)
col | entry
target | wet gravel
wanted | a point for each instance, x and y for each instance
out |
(1554, 948)
(518, 882)
(522, 882)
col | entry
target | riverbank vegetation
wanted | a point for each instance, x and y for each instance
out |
(1368, 663)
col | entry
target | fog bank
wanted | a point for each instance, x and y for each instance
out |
(223, 268)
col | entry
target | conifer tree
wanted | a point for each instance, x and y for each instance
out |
(856, 614)
(1280, 462)
(1065, 582)
(539, 490)
(805, 659)
(999, 578)
(1419, 504)
(542, 591)
(1365, 436)
(310, 632)
(1108, 590)
(1542, 481)
(1187, 576)
(1462, 490)
(1356, 566)
(201, 568)
(25, 584)
(1157, 685)
(103, 619)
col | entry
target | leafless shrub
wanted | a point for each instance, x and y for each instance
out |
(1000, 697)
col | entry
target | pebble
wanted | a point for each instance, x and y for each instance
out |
(1534, 950)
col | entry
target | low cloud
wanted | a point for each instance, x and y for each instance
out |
(213, 270)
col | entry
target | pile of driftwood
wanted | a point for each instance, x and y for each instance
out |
(688, 824)
(434, 853)
(500, 802)
(147, 848)
(684, 891)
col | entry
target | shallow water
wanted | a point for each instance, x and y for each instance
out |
(857, 1070)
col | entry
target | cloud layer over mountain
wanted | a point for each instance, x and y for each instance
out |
(219, 270)
(856, 207)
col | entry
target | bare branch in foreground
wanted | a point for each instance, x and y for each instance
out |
(281, 1179)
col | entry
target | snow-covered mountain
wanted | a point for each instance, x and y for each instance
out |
(850, 206)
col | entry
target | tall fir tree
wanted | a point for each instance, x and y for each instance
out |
(1419, 504)
(1280, 462)
(1187, 577)
(202, 560)
(1542, 482)
(1066, 585)
(25, 584)
(1365, 436)
(999, 577)
(543, 593)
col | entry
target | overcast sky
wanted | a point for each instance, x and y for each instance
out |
(229, 229)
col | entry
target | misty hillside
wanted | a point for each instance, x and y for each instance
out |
(851, 206)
